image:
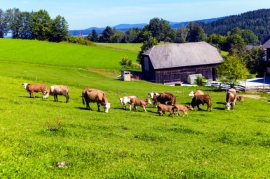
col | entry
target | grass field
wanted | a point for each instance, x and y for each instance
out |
(38, 133)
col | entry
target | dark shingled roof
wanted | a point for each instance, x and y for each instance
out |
(183, 54)
(266, 44)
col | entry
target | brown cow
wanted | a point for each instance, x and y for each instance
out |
(57, 90)
(198, 92)
(162, 108)
(139, 102)
(163, 98)
(97, 96)
(201, 99)
(31, 88)
(179, 107)
(231, 98)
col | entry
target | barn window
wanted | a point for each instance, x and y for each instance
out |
(146, 64)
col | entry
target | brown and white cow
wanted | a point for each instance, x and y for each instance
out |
(139, 102)
(57, 90)
(231, 98)
(163, 98)
(162, 108)
(96, 96)
(126, 100)
(179, 107)
(31, 88)
(198, 92)
(201, 99)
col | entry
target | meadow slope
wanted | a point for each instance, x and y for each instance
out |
(37, 133)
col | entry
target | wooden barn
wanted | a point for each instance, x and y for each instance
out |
(266, 61)
(175, 62)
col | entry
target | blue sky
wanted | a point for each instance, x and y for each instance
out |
(83, 14)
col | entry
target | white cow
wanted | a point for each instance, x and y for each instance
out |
(126, 100)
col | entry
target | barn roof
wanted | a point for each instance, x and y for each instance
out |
(183, 54)
(266, 44)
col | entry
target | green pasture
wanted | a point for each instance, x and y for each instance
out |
(134, 47)
(38, 133)
(58, 54)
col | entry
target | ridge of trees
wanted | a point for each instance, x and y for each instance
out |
(257, 21)
(33, 25)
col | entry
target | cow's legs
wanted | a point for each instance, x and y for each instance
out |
(144, 109)
(55, 97)
(98, 105)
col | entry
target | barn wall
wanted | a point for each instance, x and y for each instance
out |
(148, 73)
(181, 74)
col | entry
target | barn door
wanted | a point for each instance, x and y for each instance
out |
(214, 74)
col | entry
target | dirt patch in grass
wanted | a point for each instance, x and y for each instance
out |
(251, 96)
(106, 72)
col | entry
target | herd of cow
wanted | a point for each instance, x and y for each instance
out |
(164, 101)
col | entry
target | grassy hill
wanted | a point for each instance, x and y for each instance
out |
(37, 133)
(71, 55)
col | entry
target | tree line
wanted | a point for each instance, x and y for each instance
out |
(33, 25)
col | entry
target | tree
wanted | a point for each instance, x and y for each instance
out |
(148, 43)
(41, 25)
(252, 59)
(161, 30)
(13, 21)
(232, 70)
(106, 34)
(93, 36)
(181, 34)
(3, 24)
(196, 33)
(25, 30)
(235, 44)
(131, 35)
(59, 29)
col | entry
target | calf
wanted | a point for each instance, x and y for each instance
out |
(163, 107)
(57, 90)
(126, 100)
(240, 98)
(201, 99)
(179, 107)
(139, 102)
(231, 98)
(31, 88)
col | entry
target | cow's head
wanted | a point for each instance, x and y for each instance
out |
(191, 94)
(25, 85)
(151, 95)
(190, 107)
(107, 107)
(148, 101)
(46, 94)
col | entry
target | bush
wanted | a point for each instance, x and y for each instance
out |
(127, 63)
(79, 40)
(201, 81)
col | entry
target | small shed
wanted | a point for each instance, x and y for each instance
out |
(193, 78)
(125, 75)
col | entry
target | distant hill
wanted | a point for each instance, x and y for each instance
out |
(124, 27)
(257, 21)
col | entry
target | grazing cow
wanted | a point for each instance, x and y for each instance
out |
(231, 98)
(126, 100)
(163, 98)
(139, 102)
(57, 90)
(97, 96)
(201, 99)
(31, 88)
(179, 107)
(198, 92)
(164, 107)
(240, 98)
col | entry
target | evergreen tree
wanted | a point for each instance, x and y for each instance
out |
(59, 29)
(106, 34)
(93, 36)
(196, 33)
